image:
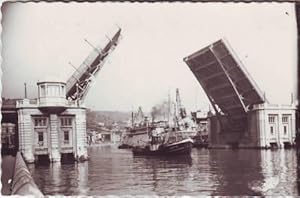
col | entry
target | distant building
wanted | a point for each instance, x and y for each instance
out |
(49, 126)
(104, 134)
(8, 136)
(91, 136)
(9, 129)
(201, 119)
(116, 134)
(101, 124)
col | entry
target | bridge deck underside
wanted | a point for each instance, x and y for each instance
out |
(227, 84)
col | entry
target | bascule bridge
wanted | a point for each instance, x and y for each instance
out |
(243, 117)
(53, 126)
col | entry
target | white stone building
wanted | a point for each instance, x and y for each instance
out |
(50, 125)
(268, 126)
(274, 125)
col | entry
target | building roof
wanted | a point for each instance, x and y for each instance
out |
(8, 103)
(52, 79)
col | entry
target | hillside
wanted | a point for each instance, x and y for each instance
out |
(106, 117)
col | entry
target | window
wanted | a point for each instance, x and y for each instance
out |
(39, 122)
(284, 119)
(7, 130)
(271, 119)
(53, 90)
(271, 130)
(40, 138)
(66, 121)
(62, 91)
(43, 91)
(66, 137)
(284, 130)
(47, 91)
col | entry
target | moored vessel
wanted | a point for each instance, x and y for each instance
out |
(183, 147)
(137, 132)
(165, 143)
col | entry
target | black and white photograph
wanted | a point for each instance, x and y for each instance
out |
(150, 99)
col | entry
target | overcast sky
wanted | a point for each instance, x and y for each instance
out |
(39, 39)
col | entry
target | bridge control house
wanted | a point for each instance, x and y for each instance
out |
(51, 126)
(243, 117)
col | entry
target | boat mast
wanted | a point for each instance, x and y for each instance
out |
(169, 110)
(181, 109)
(132, 119)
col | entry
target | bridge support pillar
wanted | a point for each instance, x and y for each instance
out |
(54, 139)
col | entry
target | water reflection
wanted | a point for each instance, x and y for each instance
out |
(158, 174)
(280, 173)
(234, 170)
(112, 171)
(298, 175)
(83, 178)
(61, 179)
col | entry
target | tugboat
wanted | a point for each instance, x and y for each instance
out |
(165, 143)
(166, 137)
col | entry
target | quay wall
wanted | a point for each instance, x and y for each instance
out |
(23, 183)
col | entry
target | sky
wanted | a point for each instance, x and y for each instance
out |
(40, 39)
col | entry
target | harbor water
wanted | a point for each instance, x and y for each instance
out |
(112, 171)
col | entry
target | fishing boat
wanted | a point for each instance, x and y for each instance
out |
(169, 133)
(183, 147)
(165, 144)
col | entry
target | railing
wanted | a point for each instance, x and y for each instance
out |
(36, 103)
(23, 183)
(72, 103)
(26, 103)
(274, 106)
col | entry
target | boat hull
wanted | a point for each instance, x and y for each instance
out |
(200, 145)
(181, 148)
(124, 146)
